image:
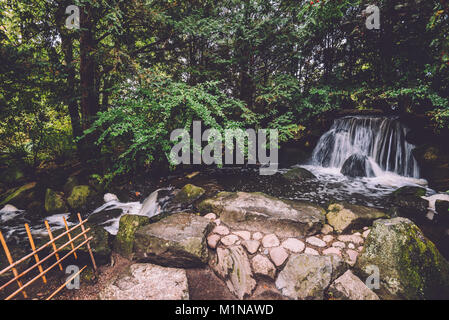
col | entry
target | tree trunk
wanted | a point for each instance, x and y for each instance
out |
(70, 96)
(88, 68)
(88, 72)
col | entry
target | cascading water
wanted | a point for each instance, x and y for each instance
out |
(378, 140)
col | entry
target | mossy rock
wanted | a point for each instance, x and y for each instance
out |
(176, 241)
(298, 174)
(211, 205)
(123, 243)
(188, 194)
(54, 202)
(409, 191)
(79, 196)
(19, 196)
(410, 266)
(345, 216)
(407, 202)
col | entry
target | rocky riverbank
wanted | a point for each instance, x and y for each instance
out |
(255, 243)
(248, 245)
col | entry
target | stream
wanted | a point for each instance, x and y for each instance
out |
(371, 151)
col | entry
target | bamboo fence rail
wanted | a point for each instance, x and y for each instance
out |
(13, 265)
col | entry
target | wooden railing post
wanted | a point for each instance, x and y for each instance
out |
(70, 237)
(88, 244)
(10, 260)
(53, 244)
(33, 247)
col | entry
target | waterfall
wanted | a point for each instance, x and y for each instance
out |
(380, 140)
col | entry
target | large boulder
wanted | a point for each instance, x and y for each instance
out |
(357, 165)
(232, 265)
(344, 216)
(124, 241)
(410, 266)
(350, 287)
(54, 202)
(258, 211)
(298, 174)
(408, 202)
(306, 277)
(183, 198)
(188, 194)
(178, 240)
(79, 196)
(144, 281)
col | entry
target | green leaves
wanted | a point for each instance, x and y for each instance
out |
(135, 132)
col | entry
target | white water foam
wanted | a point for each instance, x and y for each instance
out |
(149, 208)
(380, 139)
(379, 186)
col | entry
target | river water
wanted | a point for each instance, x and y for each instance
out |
(381, 141)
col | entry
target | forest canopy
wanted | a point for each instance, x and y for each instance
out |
(114, 89)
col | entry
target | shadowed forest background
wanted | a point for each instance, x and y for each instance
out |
(363, 120)
(110, 93)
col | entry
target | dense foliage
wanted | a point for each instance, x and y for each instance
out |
(138, 69)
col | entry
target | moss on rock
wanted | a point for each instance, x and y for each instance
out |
(54, 202)
(298, 174)
(408, 202)
(344, 216)
(189, 194)
(178, 241)
(123, 243)
(211, 205)
(409, 191)
(410, 265)
(79, 196)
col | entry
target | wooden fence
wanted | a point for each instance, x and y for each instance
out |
(18, 277)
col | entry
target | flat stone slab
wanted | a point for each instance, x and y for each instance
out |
(263, 266)
(306, 277)
(350, 287)
(144, 281)
(293, 245)
(178, 240)
(260, 212)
